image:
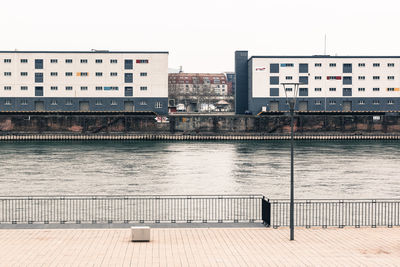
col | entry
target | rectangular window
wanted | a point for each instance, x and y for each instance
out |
(68, 74)
(303, 68)
(375, 102)
(347, 92)
(288, 89)
(318, 77)
(7, 102)
(53, 73)
(113, 61)
(376, 89)
(83, 61)
(53, 102)
(99, 61)
(53, 60)
(274, 80)
(114, 102)
(390, 64)
(303, 79)
(7, 60)
(390, 89)
(24, 74)
(317, 89)
(332, 89)
(143, 103)
(53, 88)
(361, 65)
(390, 77)
(347, 80)
(332, 65)
(317, 102)
(7, 73)
(303, 92)
(128, 64)
(99, 102)
(38, 77)
(274, 68)
(390, 102)
(318, 65)
(289, 78)
(24, 60)
(38, 64)
(143, 88)
(68, 102)
(99, 88)
(128, 91)
(287, 65)
(273, 91)
(376, 65)
(332, 102)
(347, 68)
(158, 105)
(24, 102)
(39, 91)
(141, 61)
(84, 88)
(376, 78)
(82, 74)
(68, 88)
(361, 102)
(69, 61)
(361, 77)
(143, 74)
(128, 77)
(24, 88)
(113, 74)
(98, 74)
(7, 88)
(361, 89)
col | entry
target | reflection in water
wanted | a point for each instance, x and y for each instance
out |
(360, 169)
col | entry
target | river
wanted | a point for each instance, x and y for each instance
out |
(333, 169)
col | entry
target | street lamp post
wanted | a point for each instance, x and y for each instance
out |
(291, 94)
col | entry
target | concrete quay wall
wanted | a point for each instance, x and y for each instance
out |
(199, 125)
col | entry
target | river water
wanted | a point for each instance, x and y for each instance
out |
(334, 169)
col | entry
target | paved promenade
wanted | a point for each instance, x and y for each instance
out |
(201, 247)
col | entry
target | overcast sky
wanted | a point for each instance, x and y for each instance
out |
(203, 35)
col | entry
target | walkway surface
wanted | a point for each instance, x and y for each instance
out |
(201, 247)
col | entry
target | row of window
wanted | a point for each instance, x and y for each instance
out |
(340, 77)
(361, 65)
(83, 88)
(55, 74)
(68, 102)
(83, 61)
(361, 89)
(360, 102)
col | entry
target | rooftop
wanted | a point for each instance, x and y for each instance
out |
(87, 52)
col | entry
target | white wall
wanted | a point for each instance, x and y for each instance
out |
(156, 80)
(261, 79)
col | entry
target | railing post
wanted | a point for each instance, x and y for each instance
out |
(266, 212)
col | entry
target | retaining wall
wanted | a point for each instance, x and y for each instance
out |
(200, 124)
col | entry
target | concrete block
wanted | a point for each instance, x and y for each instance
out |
(140, 233)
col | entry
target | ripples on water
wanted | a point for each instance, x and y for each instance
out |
(362, 169)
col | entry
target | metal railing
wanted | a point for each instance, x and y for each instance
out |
(198, 209)
(130, 209)
(338, 213)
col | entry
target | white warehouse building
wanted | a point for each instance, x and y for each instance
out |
(95, 80)
(328, 83)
